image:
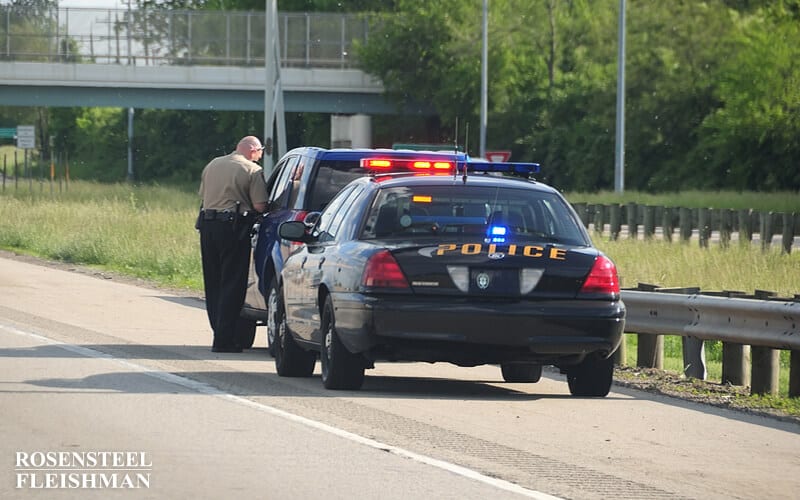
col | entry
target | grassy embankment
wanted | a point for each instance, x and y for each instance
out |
(148, 232)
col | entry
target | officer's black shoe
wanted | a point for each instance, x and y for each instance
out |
(228, 348)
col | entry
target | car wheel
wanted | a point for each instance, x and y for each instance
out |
(521, 372)
(290, 359)
(246, 332)
(592, 377)
(341, 369)
(272, 307)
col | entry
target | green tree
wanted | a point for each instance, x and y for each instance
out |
(752, 141)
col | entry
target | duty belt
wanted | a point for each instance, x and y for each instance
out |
(219, 215)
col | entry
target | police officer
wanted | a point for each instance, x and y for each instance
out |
(233, 189)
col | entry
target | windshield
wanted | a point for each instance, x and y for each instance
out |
(494, 214)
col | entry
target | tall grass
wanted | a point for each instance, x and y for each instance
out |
(744, 268)
(146, 232)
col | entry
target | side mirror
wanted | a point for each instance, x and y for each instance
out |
(293, 231)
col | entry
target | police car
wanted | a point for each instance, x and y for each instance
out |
(436, 261)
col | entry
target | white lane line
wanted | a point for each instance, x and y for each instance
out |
(207, 389)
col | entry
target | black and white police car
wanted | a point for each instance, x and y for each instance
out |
(458, 267)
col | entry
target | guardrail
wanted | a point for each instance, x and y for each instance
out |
(760, 328)
(140, 36)
(704, 224)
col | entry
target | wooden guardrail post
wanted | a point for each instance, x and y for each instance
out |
(725, 227)
(787, 236)
(583, 214)
(649, 221)
(633, 226)
(599, 218)
(703, 226)
(685, 221)
(650, 351)
(766, 229)
(745, 226)
(766, 370)
(621, 354)
(794, 374)
(667, 226)
(615, 218)
(735, 364)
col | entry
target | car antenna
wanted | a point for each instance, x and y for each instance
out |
(466, 153)
(455, 150)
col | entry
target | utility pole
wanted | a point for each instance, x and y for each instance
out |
(484, 79)
(273, 92)
(131, 177)
(619, 156)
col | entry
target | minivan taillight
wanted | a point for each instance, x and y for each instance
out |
(602, 278)
(300, 215)
(383, 271)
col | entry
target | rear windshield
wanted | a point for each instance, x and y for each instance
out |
(328, 179)
(502, 215)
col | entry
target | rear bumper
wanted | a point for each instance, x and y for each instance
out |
(471, 333)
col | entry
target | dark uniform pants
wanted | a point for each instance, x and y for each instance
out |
(226, 263)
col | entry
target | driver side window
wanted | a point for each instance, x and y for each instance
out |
(331, 217)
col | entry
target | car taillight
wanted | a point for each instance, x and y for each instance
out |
(383, 271)
(602, 278)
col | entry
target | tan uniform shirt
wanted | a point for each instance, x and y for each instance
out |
(231, 178)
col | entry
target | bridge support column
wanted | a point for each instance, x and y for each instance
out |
(351, 131)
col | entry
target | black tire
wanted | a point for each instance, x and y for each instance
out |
(521, 372)
(272, 299)
(341, 369)
(592, 378)
(290, 359)
(246, 332)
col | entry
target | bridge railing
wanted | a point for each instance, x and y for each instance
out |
(179, 37)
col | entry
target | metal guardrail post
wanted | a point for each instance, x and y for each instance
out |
(694, 358)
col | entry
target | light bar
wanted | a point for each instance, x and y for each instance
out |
(456, 163)
(503, 167)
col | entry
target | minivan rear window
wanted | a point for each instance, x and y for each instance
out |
(329, 178)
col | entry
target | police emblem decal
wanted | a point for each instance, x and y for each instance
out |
(482, 280)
